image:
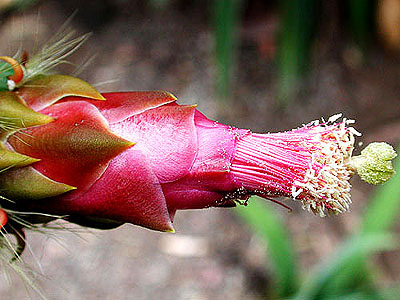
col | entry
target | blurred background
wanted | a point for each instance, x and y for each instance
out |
(264, 65)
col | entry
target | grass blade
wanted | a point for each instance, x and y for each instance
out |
(345, 258)
(264, 220)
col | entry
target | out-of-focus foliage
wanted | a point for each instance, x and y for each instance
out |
(267, 224)
(345, 274)
(360, 20)
(297, 29)
(225, 19)
(8, 5)
(364, 21)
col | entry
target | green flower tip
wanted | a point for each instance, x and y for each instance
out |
(374, 165)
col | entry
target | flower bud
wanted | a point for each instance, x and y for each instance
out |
(374, 164)
(138, 157)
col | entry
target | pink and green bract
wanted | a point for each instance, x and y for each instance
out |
(138, 157)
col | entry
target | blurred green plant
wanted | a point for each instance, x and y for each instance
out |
(347, 273)
(18, 5)
(297, 20)
(268, 225)
(226, 17)
(295, 38)
(360, 19)
(298, 27)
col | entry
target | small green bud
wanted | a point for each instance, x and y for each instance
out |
(374, 165)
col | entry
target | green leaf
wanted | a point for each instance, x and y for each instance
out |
(361, 15)
(265, 221)
(383, 294)
(345, 258)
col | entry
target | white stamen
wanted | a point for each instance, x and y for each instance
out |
(329, 188)
(334, 118)
(354, 131)
(11, 85)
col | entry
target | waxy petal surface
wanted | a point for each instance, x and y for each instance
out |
(217, 144)
(43, 91)
(74, 149)
(186, 197)
(28, 184)
(166, 136)
(120, 106)
(210, 178)
(128, 191)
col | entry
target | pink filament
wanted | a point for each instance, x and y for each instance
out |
(271, 163)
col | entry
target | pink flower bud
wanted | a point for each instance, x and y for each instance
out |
(138, 157)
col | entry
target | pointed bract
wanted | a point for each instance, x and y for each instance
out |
(75, 149)
(28, 184)
(45, 90)
(9, 159)
(14, 114)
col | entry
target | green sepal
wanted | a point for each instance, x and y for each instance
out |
(9, 159)
(14, 114)
(76, 148)
(28, 184)
(45, 90)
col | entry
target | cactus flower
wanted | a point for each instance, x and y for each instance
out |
(138, 157)
(102, 160)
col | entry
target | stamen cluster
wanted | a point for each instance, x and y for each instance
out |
(310, 164)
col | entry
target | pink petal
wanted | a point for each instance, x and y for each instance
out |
(210, 178)
(128, 191)
(166, 136)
